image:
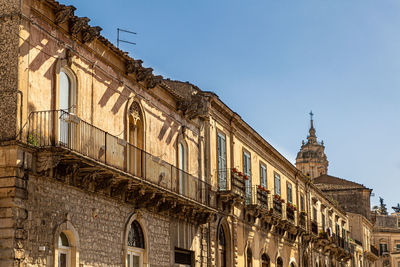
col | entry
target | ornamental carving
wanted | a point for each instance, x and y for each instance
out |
(79, 24)
(90, 34)
(135, 112)
(196, 106)
(63, 13)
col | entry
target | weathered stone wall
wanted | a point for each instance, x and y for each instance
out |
(101, 238)
(9, 40)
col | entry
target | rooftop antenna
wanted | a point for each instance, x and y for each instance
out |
(124, 41)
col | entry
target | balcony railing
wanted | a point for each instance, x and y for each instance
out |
(375, 251)
(62, 129)
(289, 214)
(258, 197)
(314, 227)
(277, 206)
(302, 220)
(231, 182)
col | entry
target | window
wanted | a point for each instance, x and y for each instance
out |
(289, 193)
(249, 258)
(247, 171)
(264, 260)
(183, 257)
(315, 214)
(323, 221)
(64, 251)
(337, 230)
(221, 147)
(382, 248)
(263, 175)
(277, 184)
(398, 247)
(302, 204)
(222, 247)
(136, 245)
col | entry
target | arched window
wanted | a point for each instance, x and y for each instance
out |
(135, 138)
(279, 262)
(136, 245)
(182, 166)
(249, 258)
(222, 247)
(264, 260)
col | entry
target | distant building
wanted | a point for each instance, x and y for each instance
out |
(352, 197)
(387, 238)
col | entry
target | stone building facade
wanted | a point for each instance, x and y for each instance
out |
(104, 163)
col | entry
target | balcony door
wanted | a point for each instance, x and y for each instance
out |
(222, 171)
(247, 172)
(66, 105)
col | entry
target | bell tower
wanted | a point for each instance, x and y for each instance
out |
(311, 159)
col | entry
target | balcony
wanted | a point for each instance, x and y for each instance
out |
(277, 207)
(257, 197)
(289, 214)
(231, 185)
(302, 220)
(314, 228)
(374, 251)
(114, 164)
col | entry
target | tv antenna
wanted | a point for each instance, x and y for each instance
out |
(124, 41)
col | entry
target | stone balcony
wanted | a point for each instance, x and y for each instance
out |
(80, 154)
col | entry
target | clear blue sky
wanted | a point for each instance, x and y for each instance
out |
(272, 61)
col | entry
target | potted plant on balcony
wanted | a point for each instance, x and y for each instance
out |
(234, 170)
(260, 187)
(245, 177)
(240, 174)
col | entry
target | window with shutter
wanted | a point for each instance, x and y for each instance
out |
(277, 185)
(263, 175)
(222, 171)
(247, 171)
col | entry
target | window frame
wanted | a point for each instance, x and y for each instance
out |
(263, 175)
(289, 195)
(222, 172)
(277, 185)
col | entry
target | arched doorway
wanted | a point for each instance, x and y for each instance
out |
(222, 251)
(265, 260)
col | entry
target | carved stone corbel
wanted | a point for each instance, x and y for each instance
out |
(46, 161)
(90, 34)
(63, 13)
(79, 24)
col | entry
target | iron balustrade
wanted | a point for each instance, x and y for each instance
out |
(58, 128)
(314, 227)
(229, 181)
(374, 250)
(258, 197)
(277, 206)
(289, 214)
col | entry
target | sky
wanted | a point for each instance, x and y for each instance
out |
(273, 61)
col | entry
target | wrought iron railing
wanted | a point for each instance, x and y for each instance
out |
(289, 214)
(277, 206)
(375, 251)
(314, 227)
(258, 197)
(62, 129)
(229, 181)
